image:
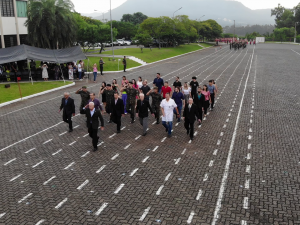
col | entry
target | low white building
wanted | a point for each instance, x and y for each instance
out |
(12, 18)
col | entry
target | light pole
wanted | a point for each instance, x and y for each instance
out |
(296, 23)
(234, 31)
(176, 11)
(111, 33)
(201, 17)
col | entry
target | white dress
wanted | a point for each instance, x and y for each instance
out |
(139, 83)
(70, 71)
(45, 73)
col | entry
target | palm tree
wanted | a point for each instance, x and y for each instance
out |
(51, 23)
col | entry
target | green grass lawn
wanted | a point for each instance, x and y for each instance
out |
(109, 64)
(12, 93)
(157, 54)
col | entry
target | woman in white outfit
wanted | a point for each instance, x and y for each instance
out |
(186, 92)
(45, 72)
(70, 71)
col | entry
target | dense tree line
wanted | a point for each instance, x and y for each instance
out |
(244, 30)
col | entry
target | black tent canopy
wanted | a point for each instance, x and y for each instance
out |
(23, 52)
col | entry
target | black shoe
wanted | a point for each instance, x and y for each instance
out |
(98, 139)
(118, 131)
(192, 138)
(70, 130)
(95, 149)
(167, 129)
(200, 123)
(212, 109)
(110, 121)
(144, 134)
(132, 121)
(157, 122)
(169, 135)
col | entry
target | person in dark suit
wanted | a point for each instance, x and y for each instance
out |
(93, 115)
(142, 107)
(68, 106)
(199, 101)
(117, 111)
(189, 115)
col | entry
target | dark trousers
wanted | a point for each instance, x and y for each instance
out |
(124, 68)
(67, 118)
(212, 97)
(118, 122)
(156, 109)
(101, 70)
(130, 108)
(206, 105)
(94, 135)
(200, 113)
(189, 125)
(194, 95)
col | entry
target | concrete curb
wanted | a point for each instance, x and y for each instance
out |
(153, 62)
(37, 94)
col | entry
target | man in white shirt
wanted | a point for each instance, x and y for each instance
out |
(167, 106)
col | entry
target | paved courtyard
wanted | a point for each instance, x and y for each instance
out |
(241, 168)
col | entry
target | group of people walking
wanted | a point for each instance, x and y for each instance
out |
(188, 102)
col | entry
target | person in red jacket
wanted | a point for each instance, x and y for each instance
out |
(166, 89)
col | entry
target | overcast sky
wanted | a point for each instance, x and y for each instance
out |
(89, 6)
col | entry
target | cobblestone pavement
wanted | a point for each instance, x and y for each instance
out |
(241, 168)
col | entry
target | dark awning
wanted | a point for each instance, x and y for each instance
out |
(23, 52)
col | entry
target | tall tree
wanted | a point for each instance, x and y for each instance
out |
(126, 30)
(136, 18)
(51, 23)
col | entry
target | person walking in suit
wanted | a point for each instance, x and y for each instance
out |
(189, 113)
(200, 103)
(68, 106)
(142, 112)
(93, 115)
(117, 111)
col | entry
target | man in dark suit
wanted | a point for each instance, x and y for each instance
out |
(189, 113)
(93, 115)
(142, 107)
(68, 106)
(117, 111)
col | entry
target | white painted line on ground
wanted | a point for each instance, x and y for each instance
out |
(145, 159)
(205, 177)
(228, 161)
(243, 222)
(29, 150)
(62, 133)
(195, 133)
(219, 142)
(61, 203)
(190, 141)
(72, 143)
(30, 136)
(40, 222)
(168, 176)
(104, 205)
(100, 143)
(119, 188)
(127, 146)
(227, 120)
(249, 156)
(37, 164)
(199, 195)
(82, 185)
(182, 153)
(249, 146)
(9, 161)
(57, 152)
(156, 147)
(224, 126)
(250, 130)
(137, 137)
(123, 128)
(85, 154)
(245, 203)
(229, 114)
(47, 141)
(249, 137)
(16, 177)
(251, 120)
(163, 139)
(176, 124)
(215, 152)
(154, 123)
(177, 161)
(159, 190)
(190, 217)
(24, 198)
(221, 134)
(85, 135)
(211, 163)
(46, 182)
(133, 172)
(247, 183)
(146, 211)
(248, 168)
(69, 165)
(2, 214)
(112, 135)
(199, 126)
(75, 127)
(102, 167)
(115, 156)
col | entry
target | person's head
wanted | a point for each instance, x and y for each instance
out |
(124, 78)
(92, 96)
(114, 81)
(194, 79)
(95, 65)
(103, 84)
(108, 87)
(199, 89)
(84, 88)
(133, 81)
(91, 106)
(155, 89)
(66, 94)
(177, 89)
(124, 57)
(167, 96)
(145, 82)
(185, 85)
(142, 97)
(177, 78)
(130, 84)
(140, 79)
(190, 101)
(158, 75)
(166, 84)
(204, 87)
(100, 58)
(80, 61)
(116, 95)
(210, 82)
(213, 81)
